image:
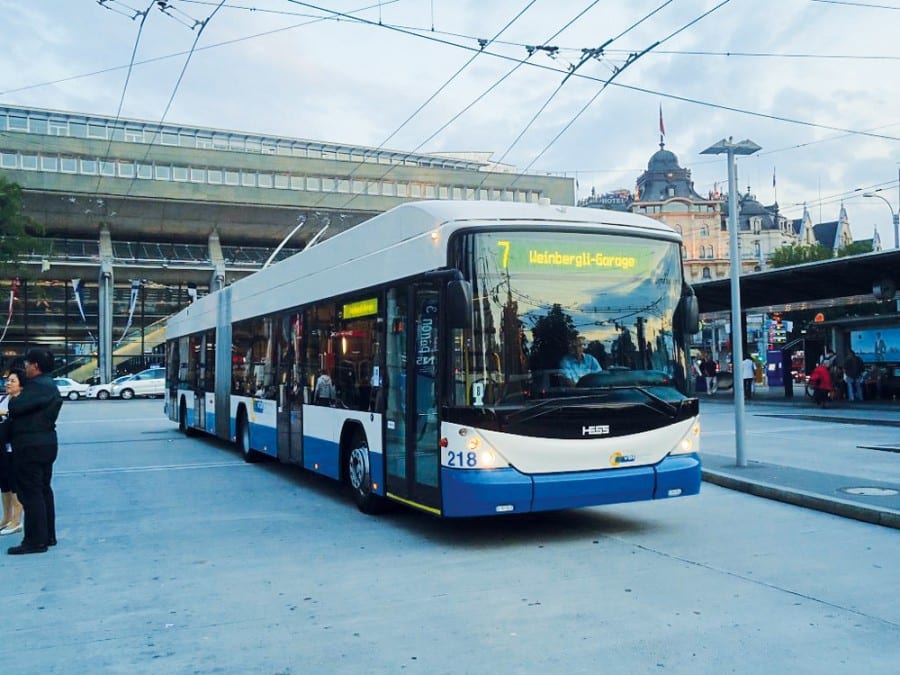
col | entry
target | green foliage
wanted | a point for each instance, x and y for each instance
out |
(18, 233)
(796, 254)
(855, 248)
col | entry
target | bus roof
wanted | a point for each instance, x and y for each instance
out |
(409, 239)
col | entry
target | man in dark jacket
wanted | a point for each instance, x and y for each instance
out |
(33, 416)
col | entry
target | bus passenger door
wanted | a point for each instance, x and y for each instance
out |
(412, 452)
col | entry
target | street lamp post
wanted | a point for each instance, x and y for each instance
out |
(727, 147)
(895, 217)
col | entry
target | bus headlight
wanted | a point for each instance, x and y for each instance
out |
(689, 443)
(467, 449)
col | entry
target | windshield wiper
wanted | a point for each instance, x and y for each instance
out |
(669, 407)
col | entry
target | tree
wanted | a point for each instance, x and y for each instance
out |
(856, 248)
(796, 254)
(552, 335)
(18, 233)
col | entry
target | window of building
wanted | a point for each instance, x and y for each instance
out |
(9, 160)
(402, 189)
(329, 185)
(38, 125)
(49, 163)
(282, 181)
(169, 138)
(298, 183)
(372, 187)
(88, 166)
(232, 177)
(265, 180)
(107, 168)
(248, 178)
(198, 175)
(76, 129)
(162, 172)
(126, 169)
(215, 176)
(96, 131)
(17, 123)
(358, 187)
(134, 134)
(57, 128)
(704, 231)
(706, 274)
(313, 183)
(68, 165)
(145, 171)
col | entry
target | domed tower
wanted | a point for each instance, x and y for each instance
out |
(665, 179)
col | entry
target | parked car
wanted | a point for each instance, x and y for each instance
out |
(150, 382)
(102, 391)
(69, 388)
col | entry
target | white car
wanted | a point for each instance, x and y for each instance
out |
(102, 391)
(150, 382)
(69, 388)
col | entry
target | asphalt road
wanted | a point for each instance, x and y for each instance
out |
(176, 557)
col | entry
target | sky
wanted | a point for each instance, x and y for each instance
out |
(813, 82)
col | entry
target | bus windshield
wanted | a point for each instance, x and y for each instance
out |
(563, 314)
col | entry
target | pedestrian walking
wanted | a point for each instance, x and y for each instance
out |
(708, 368)
(33, 416)
(820, 381)
(748, 371)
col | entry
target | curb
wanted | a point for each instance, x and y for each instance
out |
(809, 500)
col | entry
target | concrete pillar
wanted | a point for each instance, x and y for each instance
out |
(105, 293)
(217, 278)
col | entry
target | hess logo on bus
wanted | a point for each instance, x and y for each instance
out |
(595, 430)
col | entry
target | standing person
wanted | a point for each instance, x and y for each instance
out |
(324, 393)
(708, 369)
(820, 381)
(748, 368)
(853, 374)
(12, 508)
(33, 416)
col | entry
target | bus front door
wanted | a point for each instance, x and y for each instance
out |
(412, 451)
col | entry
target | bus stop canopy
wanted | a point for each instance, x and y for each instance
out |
(822, 280)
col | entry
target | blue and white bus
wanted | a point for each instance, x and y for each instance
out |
(438, 336)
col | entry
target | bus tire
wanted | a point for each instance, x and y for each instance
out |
(359, 476)
(243, 439)
(182, 420)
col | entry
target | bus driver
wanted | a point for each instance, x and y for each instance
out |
(577, 364)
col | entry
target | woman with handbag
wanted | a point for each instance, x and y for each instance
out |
(12, 509)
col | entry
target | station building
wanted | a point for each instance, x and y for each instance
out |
(141, 217)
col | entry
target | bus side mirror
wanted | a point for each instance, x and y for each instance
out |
(690, 313)
(459, 304)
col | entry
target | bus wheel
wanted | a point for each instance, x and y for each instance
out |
(360, 477)
(182, 420)
(243, 440)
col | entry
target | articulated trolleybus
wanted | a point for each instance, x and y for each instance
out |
(464, 358)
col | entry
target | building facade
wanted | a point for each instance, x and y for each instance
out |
(140, 217)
